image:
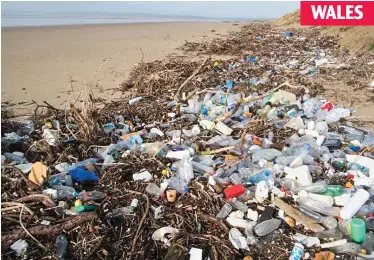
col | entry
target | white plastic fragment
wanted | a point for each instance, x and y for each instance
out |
(19, 246)
(223, 129)
(252, 214)
(196, 253)
(334, 243)
(45, 223)
(142, 176)
(157, 131)
(160, 233)
(306, 240)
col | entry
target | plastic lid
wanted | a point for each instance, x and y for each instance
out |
(75, 194)
(185, 189)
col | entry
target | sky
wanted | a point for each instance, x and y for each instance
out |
(24, 13)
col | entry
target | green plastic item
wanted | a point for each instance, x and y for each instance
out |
(338, 165)
(333, 190)
(84, 208)
(358, 230)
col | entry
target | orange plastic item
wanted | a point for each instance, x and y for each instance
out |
(348, 185)
(257, 142)
(127, 136)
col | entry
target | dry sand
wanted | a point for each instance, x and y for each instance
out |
(37, 62)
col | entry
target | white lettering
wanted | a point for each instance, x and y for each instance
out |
(339, 9)
(359, 12)
(319, 12)
(330, 13)
(349, 11)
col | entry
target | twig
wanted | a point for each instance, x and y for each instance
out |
(29, 183)
(177, 94)
(28, 233)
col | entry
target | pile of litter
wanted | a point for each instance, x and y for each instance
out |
(241, 159)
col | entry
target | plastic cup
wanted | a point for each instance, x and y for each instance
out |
(358, 230)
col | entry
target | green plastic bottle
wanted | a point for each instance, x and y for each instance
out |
(358, 230)
(333, 190)
(84, 208)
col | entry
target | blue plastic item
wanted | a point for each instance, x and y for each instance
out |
(81, 175)
(354, 148)
(229, 84)
(263, 175)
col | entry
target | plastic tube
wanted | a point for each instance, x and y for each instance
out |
(354, 204)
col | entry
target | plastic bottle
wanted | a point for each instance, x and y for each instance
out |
(317, 187)
(333, 190)
(185, 170)
(318, 197)
(356, 166)
(153, 190)
(354, 204)
(61, 192)
(330, 234)
(263, 175)
(134, 204)
(199, 167)
(366, 210)
(297, 252)
(287, 160)
(62, 245)
(346, 248)
(248, 171)
(91, 195)
(239, 205)
(329, 222)
(119, 212)
(82, 164)
(85, 208)
(180, 185)
(15, 158)
(61, 178)
(267, 154)
(267, 226)
(225, 211)
(318, 206)
(235, 179)
(369, 242)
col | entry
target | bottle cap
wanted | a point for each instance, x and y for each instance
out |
(185, 189)
(75, 194)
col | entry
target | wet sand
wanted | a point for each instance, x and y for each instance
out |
(38, 62)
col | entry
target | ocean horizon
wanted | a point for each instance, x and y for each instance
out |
(24, 19)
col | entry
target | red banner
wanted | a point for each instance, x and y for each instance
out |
(337, 13)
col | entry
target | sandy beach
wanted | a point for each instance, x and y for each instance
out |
(37, 62)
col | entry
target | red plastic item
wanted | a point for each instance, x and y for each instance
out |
(351, 176)
(234, 191)
(327, 106)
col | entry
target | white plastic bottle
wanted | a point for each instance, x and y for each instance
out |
(354, 204)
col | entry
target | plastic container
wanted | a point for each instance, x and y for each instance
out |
(318, 206)
(185, 170)
(235, 179)
(354, 204)
(267, 226)
(263, 175)
(317, 187)
(239, 205)
(62, 245)
(333, 190)
(297, 252)
(267, 154)
(318, 197)
(225, 211)
(91, 195)
(180, 185)
(234, 191)
(358, 230)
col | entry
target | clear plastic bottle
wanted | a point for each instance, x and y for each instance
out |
(317, 187)
(185, 170)
(267, 226)
(263, 175)
(199, 167)
(369, 242)
(356, 166)
(318, 206)
(154, 190)
(329, 222)
(347, 248)
(177, 184)
(330, 234)
(235, 179)
(91, 195)
(62, 245)
(248, 171)
(82, 164)
(119, 212)
(267, 154)
(225, 211)
(239, 205)
(61, 192)
(61, 178)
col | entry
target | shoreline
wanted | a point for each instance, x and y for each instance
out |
(38, 62)
(8, 28)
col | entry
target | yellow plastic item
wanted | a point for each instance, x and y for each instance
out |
(38, 174)
(49, 124)
(78, 203)
(164, 172)
(215, 64)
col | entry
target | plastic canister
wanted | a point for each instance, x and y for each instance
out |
(358, 230)
(354, 204)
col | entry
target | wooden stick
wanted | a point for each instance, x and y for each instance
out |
(177, 95)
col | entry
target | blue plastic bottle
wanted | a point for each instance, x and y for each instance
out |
(263, 175)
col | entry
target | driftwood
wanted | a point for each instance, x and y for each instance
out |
(47, 201)
(8, 239)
